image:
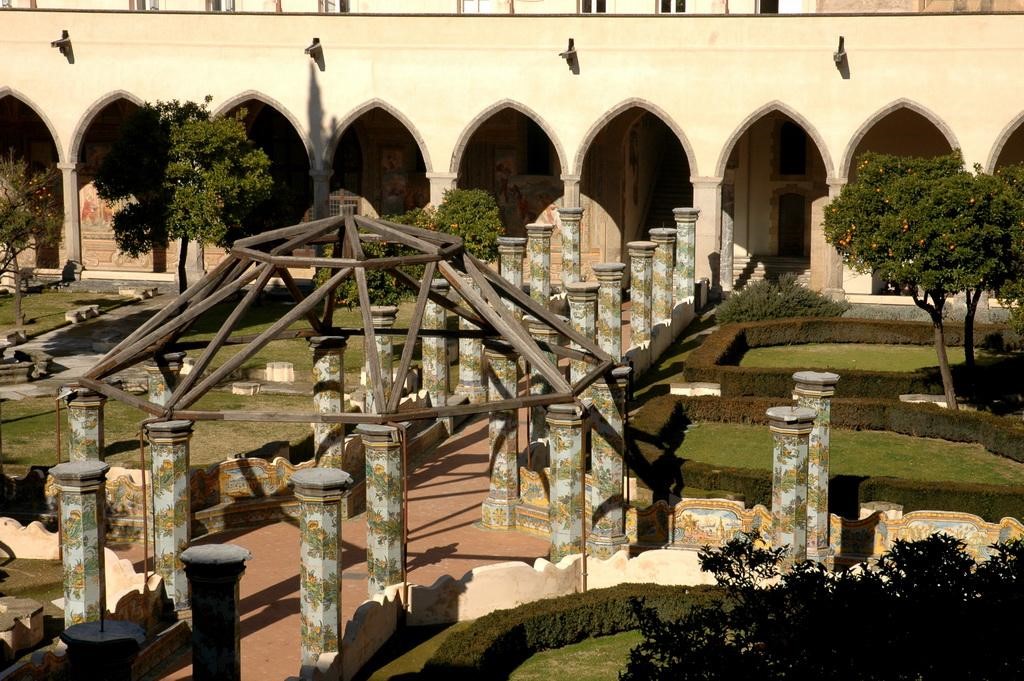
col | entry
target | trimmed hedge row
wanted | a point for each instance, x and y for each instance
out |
(716, 359)
(497, 643)
(658, 427)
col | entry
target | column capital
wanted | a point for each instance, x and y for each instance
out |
(564, 414)
(440, 285)
(686, 214)
(582, 291)
(442, 176)
(837, 181)
(318, 484)
(377, 434)
(663, 235)
(336, 342)
(568, 177)
(540, 330)
(540, 230)
(64, 165)
(83, 397)
(641, 249)
(791, 420)
(80, 476)
(512, 245)
(706, 182)
(166, 432)
(321, 173)
(215, 562)
(498, 354)
(383, 315)
(571, 212)
(816, 383)
(609, 272)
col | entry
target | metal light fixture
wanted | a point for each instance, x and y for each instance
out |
(315, 50)
(840, 54)
(63, 44)
(570, 57)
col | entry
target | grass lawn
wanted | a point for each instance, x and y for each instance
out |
(857, 453)
(45, 311)
(867, 357)
(29, 428)
(404, 655)
(593, 659)
(670, 365)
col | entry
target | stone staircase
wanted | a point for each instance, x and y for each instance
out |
(672, 189)
(759, 267)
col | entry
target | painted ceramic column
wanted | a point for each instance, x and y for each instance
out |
(566, 427)
(214, 571)
(641, 256)
(512, 250)
(686, 242)
(539, 385)
(384, 518)
(608, 533)
(790, 428)
(172, 516)
(814, 390)
(538, 243)
(319, 491)
(571, 257)
(81, 485)
(102, 650)
(162, 376)
(498, 509)
(609, 307)
(85, 425)
(329, 398)
(582, 297)
(383, 317)
(664, 254)
(471, 353)
(435, 349)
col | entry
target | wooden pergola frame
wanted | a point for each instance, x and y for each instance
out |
(477, 293)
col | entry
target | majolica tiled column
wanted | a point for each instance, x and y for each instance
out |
(791, 429)
(319, 491)
(383, 317)
(571, 257)
(661, 290)
(538, 384)
(609, 307)
(565, 426)
(172, 517)
(214, 571)
(81, 485)
(498, 509)
(162, 376)
(384, 518)
(608, 534)
(471, 353)
(512, 250)
(814, 390)
(538, 243)
(686, 244)
(85, 425)
(435, 349)
(641, 256)
(582, 297)
(328, 398)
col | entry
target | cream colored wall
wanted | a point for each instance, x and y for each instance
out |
(708, 74)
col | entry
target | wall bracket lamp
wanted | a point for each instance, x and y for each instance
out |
(570, 57)
(63, 44)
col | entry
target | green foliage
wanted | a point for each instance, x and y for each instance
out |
(473, 215)
(498, 642)
(30, 215)
(776, 300)
(178, 173)
(381, 286)
(927, 610)
(1011, 292)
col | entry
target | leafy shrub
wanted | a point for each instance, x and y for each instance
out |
(473, 215)
(776, 300)
(381, 286)
(497, 643)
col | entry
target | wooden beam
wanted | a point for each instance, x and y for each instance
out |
(370, 343)
(293, 289)
(410, 337)
(283, 232)
(445, 302)
(313, 230)
(591, 376)
(397, 235)
(121, 396)
(428, 234)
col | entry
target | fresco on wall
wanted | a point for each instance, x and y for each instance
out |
(529, 198)
(394, 180)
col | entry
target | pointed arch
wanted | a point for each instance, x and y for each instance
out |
(366, 107)
(775, 106)
(6, 91)
(875, 118)
(300, 132)
(620, 108)
(1004, 137)
(481, 118)
(90, 114)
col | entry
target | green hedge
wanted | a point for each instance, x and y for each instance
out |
(659, 425)
(494, 645)
(716, 359)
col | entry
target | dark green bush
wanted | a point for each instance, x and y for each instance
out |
(473, 215)
(497, 643)
(777, 300)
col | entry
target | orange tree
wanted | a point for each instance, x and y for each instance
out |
(30, 216)
(933, 226)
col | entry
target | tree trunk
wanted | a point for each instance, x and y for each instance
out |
(19, 316)
(182, 273)
(973, 298)
(940, 350)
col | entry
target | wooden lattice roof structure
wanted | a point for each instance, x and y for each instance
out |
(477, 293)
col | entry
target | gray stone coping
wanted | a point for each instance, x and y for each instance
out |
(328, 342)
(686, 213)
(440, 284)
(310, 481)
(663, 234)
(376, 432)
(570, 211)
(564, 411)
(641, 247)
(384, 313)
(608, 267)
(791, 415)
(215, 558)
(169, 428)
(622, 373)
(80, 473)
(512, 241)
(112, 633)
(816, 378)
(582, 289)
(541, 229)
